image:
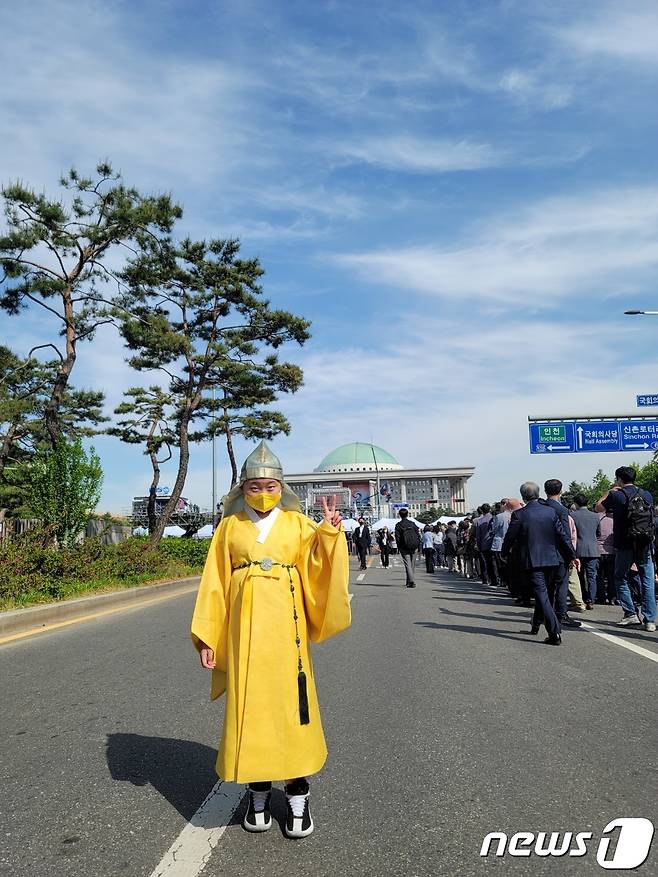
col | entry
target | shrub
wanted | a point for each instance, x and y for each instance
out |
(34, 570)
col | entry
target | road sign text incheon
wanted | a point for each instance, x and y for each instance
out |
(593, 436)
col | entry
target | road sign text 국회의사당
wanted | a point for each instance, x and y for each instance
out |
(582, 436)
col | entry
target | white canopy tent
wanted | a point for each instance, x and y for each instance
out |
(204, 533)
(174, 531)
(445, 519)
(391, 522)
(349, 525)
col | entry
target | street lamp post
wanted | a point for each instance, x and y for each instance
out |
(374, 457)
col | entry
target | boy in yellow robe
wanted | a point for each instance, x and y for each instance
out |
(273, 581)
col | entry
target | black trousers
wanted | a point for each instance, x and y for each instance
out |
(562, 591)
(363, 554)
(384, 552)
(429, 559)
(545, 582)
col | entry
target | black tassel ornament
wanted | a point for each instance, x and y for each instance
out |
(303, 699)
(304, 718)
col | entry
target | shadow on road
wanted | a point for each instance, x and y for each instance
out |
(465, 628)
(183, 772)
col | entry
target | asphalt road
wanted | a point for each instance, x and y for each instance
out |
(445, 721)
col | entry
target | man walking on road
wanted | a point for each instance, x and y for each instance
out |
(632, 512)
(408, 540)
(553, 491)
(588, 529)
(543, 542)
(361, 539)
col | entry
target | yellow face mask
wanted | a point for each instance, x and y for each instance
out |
(262, 502)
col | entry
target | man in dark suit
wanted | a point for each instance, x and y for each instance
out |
(543, 544)
(553, 491)
(361, 538)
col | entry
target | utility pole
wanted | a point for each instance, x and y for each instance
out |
(214, 477)
(374, 457)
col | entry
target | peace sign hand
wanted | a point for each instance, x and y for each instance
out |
(331, 516)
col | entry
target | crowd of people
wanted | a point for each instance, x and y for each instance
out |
(559, 560)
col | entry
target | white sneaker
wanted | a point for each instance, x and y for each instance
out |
(628, 619)
(650, 626)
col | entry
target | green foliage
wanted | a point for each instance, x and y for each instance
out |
(647, 477)
(60, 255)
(192, 552)
(35, 571)
(195, 310)
(65, 486)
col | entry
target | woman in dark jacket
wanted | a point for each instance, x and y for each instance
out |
(450, 544)
(384, 543)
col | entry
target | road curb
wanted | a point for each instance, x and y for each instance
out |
(20, 620)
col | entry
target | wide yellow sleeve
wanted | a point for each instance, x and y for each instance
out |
(325, 578)
(210, 618)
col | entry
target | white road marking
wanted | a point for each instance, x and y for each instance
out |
(361, 577)
(350, 596)
(618, 641)
(190, 852)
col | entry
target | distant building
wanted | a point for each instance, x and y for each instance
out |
(368, 478)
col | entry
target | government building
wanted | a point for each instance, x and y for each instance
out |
(368, 479)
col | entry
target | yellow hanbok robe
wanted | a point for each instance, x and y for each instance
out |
(246, 616)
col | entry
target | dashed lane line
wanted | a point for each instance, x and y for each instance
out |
(191, 851)
(361, 577)
(645, 653)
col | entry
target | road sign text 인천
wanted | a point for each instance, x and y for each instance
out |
(593, 436)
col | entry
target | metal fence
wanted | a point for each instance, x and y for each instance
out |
(108, 532)
(11, 527)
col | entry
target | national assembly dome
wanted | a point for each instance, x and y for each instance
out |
(359, 457)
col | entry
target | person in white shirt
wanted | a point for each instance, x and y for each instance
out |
(428, 548)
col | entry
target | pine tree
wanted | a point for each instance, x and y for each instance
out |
(60, 257)
(245, 388)
(147, 415)
(195, 311)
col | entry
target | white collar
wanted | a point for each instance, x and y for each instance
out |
(264, 525)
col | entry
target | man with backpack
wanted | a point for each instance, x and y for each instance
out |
(408, 541)
(632, 512)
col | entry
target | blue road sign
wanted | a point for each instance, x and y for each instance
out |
(647, 401)
(639, 435)
(593, 436)
(552, 437)
(597, 435)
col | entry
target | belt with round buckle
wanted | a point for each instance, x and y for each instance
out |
(266, 564)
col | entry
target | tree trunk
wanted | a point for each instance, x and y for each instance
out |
(7, 443)
(231, 456)
(150, 508)
(183, 462)
(63, 374)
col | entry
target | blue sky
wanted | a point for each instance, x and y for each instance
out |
(462, 197)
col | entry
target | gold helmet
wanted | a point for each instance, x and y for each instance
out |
(261, 463)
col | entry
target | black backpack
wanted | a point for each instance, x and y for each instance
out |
(639, 518)
(410, 537)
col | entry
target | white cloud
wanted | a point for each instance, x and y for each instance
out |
(442, 393)
(422, 155)
(628, 32)
(596, 243)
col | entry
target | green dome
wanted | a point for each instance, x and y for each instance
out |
(358, 456)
